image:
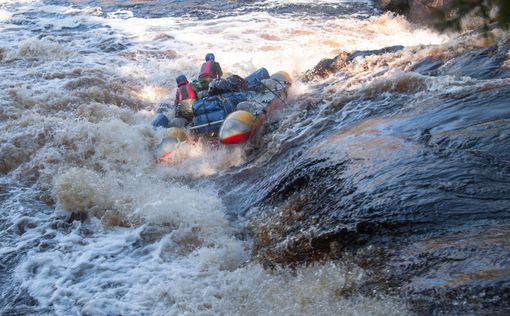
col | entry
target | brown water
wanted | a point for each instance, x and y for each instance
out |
(383, 158)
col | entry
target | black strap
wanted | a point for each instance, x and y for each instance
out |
(269, 89)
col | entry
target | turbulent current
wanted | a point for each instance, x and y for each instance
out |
(381, 188)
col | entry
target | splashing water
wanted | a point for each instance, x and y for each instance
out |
(80, 82)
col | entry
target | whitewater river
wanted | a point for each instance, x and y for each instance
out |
(80, 83)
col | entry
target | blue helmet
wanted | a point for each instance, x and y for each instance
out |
(209, 57)
(180, 78)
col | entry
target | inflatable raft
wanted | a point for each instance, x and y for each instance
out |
(232, 117)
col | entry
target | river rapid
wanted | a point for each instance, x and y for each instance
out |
(381, 188)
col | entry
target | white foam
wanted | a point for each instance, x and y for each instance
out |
(43, 49)
(5, 15)
(244, 43)
(8, 2)
(104, 274)
(81, 110)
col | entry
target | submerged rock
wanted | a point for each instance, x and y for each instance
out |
(326, 67)
(329, 66)
(481, 63)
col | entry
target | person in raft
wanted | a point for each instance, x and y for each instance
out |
(209, 71)
(184, 98)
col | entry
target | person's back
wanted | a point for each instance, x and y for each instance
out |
(185, 96)
(209, 71)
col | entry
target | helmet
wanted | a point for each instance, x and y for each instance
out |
(180, 78)
(209, 56)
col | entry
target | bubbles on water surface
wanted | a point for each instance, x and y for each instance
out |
(80, 88)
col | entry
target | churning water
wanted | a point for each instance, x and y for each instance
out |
(90, 224)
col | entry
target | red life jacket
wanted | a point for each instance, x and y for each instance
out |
(185, 91)
(208, 70)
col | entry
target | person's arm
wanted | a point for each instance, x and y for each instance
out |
(218, 70)
(176, 102)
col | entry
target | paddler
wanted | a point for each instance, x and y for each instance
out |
(209, 71)
(185, 96)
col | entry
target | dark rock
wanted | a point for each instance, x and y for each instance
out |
(382, 51)
(418, 11)
(481, 63)
(328, 66)
(412, 185)
(425, 11)
(484, 63)
(460, 272)
(397, 6)
(428, 65)
(424, 181)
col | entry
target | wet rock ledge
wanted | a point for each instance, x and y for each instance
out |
(418, 11)
(414, 187)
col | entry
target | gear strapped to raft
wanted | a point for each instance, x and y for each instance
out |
(210, 112)
(229, 117)
(274, 93)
